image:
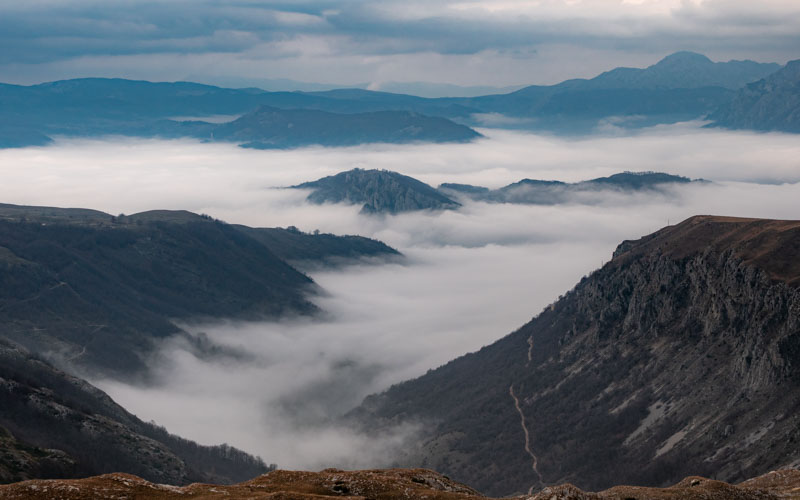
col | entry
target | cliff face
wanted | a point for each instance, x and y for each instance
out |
(680, 356)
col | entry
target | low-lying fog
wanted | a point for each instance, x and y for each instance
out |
(471, 275)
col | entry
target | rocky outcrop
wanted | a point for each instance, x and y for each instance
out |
(678, 357)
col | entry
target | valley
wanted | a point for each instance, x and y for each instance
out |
(573, 277)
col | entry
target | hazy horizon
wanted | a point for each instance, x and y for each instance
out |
(352, 42)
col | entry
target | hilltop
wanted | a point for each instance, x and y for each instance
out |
(377, 191)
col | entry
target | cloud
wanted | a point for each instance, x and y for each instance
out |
(471, 276)
(352, 41)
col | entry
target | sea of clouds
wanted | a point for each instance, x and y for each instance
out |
(469, 277)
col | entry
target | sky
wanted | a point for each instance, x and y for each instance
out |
(470, 276)
(357, 42)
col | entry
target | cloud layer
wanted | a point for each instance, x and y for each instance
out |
(501, 42)
(472, 275)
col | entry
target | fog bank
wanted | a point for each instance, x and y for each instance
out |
(471, 275)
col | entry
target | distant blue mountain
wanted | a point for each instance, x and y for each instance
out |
(769, 104)
(685, 70)
(682, 86)
(542, 192)
(269, 127)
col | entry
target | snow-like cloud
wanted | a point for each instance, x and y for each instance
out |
(471, 275)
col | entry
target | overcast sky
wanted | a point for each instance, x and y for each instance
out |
(499, 43)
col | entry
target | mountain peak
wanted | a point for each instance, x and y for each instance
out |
(683, 58)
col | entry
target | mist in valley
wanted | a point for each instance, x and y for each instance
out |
(469, 277)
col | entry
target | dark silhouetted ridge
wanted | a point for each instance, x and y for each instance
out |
(95, 290)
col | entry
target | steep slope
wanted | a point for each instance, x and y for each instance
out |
(20, 461)
(95, 290)
(678, 357)
(269, 127)
(64, 427)
(380, 191)
(392, 484)
(769, 104)
(98, 294)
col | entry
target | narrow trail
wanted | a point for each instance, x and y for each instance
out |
(534, 459)
(530, 351)
(97, 328)
(35, 297)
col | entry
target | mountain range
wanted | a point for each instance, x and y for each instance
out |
(97, 291)
(383, 191)
(679, 356)
(682, 86)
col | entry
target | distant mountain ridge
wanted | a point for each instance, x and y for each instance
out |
(394, 484)
(682, 86)
(678, 355)
(771, 104)
(684, 70)
(540, 192)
